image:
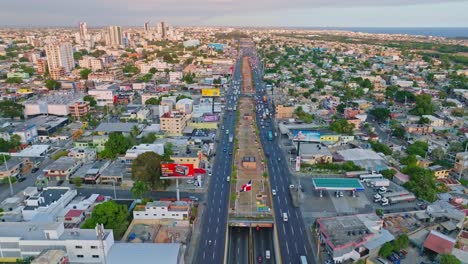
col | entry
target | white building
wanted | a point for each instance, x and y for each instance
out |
(104, 94)
(179, 210)
(60, 55)
(175, 76)
(115, 36)
(29, 239)
(136, 151)
(56, 104)
(91, 63)
(83, 154)
(48, 202)
(184, 106)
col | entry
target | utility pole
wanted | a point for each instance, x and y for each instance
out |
(9, 177)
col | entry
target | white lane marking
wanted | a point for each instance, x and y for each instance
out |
(213, 254)
(287, 247)
(238, 251)
(204, 254)
(209, 220)
(295, 245)
(284, 230)
(297, 215)
(218, 219)
(208, 230)
(292, 229)
(216, 231)
(215, 242)
(219, 209)
(305, 250)
(285, 200)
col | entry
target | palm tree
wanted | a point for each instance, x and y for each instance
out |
(139, 189)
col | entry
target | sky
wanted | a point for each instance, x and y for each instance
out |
(274, 13)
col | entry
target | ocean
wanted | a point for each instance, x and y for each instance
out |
(460, 32)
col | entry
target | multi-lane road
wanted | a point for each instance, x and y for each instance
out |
(211, 245)
(292, 234)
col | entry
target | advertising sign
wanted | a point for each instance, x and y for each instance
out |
(210, 118)
(174, 170)
(213, 92)
(306, 135)
(298, 163)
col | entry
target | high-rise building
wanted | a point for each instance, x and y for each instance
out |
(146, 26)
(161, 29)
(60, 57)
(83, 31)
(115, 36)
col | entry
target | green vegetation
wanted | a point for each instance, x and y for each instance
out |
(303, 116)
(380, 147)
(398, 244)
(112, 215)
(11, 109)
(130, 70)
(189, 78)
(77, 181)
(388, 173)
(424, 105)
(26, 260)
(153, 101)
(4, 157)
(115, 145)
(52, 84)
(60, 154)
(6, 180)
(90, 99)
(336, 167)
(148, 139)
(418, 148)
(84, 73)
(16, 80)
(145, 78)
(380, 114)
(422, 183)
(147, 169)
(449, 259)
(342, 126)
(139, 189)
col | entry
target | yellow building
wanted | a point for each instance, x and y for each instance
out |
(202, 125)
(173, 123)
(439, 171)
(186, 160)
(329, 138)
(283, 111)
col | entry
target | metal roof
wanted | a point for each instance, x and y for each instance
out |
(337, 184)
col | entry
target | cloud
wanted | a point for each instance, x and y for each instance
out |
(133, 12)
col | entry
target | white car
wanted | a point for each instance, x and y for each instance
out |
(273, 191)
(228, 179)
(190, 181)
(291, 186)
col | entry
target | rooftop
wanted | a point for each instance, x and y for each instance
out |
(116, 127)
(439, 243)
(359, 154)
(143, 253)
(46, 197)
(337, 184)
(57, 99)
(62, 164)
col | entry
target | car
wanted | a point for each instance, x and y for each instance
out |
(209, 173)
(34, 170)
(228, 178)
(341, 193)
(21, 179)
(225, 149)
(193, 198)
(291, 186)
(273, 191)
(190, 181)
(279, 159)
(59, 183)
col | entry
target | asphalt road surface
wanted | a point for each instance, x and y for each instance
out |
(214, 221)
(263, 241)
(238, 245)
(292, 233)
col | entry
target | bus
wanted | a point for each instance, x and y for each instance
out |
(373, 176)
(270, 136)
(303, 260)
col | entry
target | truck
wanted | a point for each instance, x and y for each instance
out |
(395, 194)
(231, 137)
(264, 116)
(399, 199)
(378, 183)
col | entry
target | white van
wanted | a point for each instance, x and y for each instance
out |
(285, 217)
(267, 254)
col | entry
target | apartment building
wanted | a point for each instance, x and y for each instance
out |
(173, 123)
(284, 111)
(48, 202)
(62, 168)
(91, 63)
(59, 58)
(29, 239)
(79, 109)
(114, 36)
(105, 94)
(179, 210)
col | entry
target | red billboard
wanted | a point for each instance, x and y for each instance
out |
(174, 170)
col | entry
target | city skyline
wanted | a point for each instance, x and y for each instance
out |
(295, 13)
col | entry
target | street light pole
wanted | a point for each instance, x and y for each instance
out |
(9, 177)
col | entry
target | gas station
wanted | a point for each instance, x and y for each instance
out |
(337, 184)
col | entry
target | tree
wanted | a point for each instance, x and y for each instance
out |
(168, 152)
(319, 84)
(153, 70)
(418, 148)
(84, 73)
(422, 182)
(26, 260)
(16, 80)
(424, 120)
(399, 132)
(388, 173)
(11, 109)
(149, 138)
(409, 160)
(401, 242)
(90, 99)
(449, 259)
(6, 180)
(139, 189)
(23, 59)
(77, 181)
(380, 147)
(423, 106)
(404, 96)
(438, 153)
(386, 250)
(115, 145)
(52, 84)
(112, 215)
(380, 114)
(342, 126)
(147, 168)
(153, 101)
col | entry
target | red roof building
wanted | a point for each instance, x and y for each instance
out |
(439, 243)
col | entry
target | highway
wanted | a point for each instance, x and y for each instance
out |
(214, 219)
(238, 252)
(263, 241)
(292, 233)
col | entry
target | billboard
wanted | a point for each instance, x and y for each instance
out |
(213, 92)
(210, 118)
(306, 135)
(174, 170)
